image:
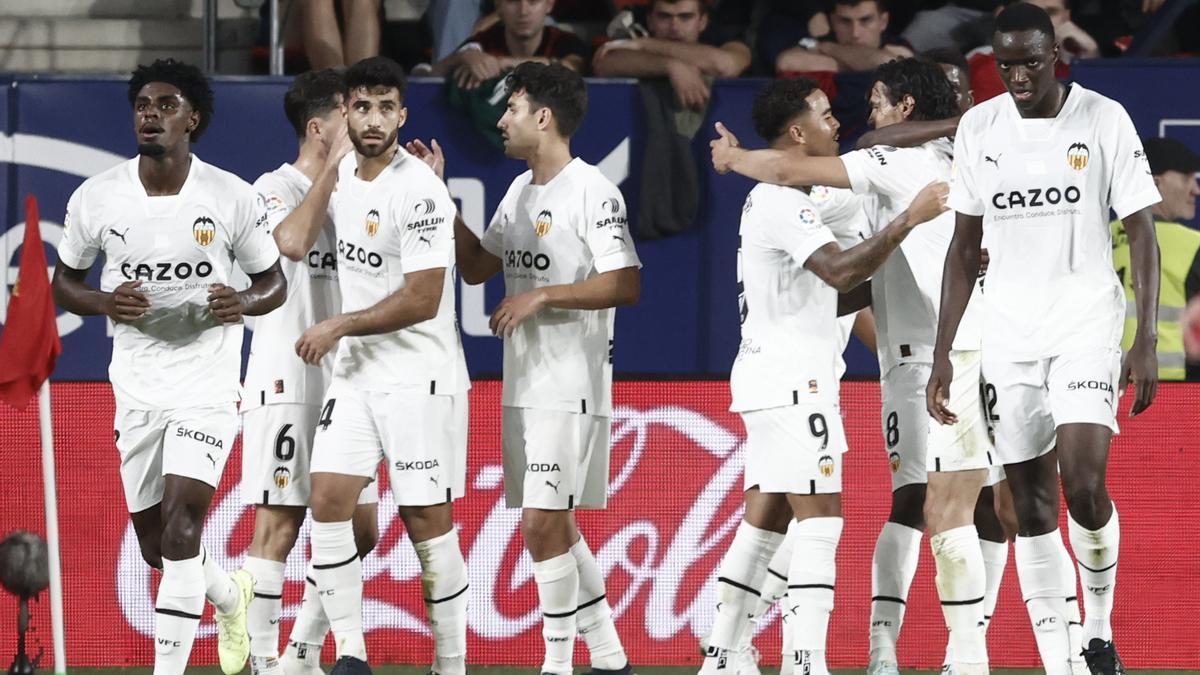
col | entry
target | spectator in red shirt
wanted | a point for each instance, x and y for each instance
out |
(520, 35)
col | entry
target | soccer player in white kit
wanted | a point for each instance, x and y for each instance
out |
(1038, 171)
(282, 394)
(170, 227)
(561, 237)
(399, 389)
(784, 380)
(905, 299)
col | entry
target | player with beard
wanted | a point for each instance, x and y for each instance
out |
(905, 300)
(784, 381)
(282, 394)
(170, 227)
(1038, 172)
(399, 388)
(560, 236)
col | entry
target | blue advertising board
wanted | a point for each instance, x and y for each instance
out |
(55, 132)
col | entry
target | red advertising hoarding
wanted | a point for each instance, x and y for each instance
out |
(674, 503)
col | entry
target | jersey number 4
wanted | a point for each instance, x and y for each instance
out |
(326, 417)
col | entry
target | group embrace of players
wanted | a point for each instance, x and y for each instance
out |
(1024, 375)
(357, 365)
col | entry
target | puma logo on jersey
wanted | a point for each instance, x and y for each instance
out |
(554, 485)
(428, 240)
(995, 161)
(121, 235)
(211, 459)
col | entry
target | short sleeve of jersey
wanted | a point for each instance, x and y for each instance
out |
(493, 236)
(1132, 187)
(253, 246)
(79, 246)
(964, 194)
(426, 230)
(277, 200)
(872, 170)
(608, 231)
(800, 233)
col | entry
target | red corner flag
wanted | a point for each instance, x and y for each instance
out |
(29, 344)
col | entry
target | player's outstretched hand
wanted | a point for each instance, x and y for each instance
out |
(225, 303)
(937, 392)
(514, 309)
(929, 203)
(1140, 368)
(126, 303)
(431, 155)
(724, 147)
(317, 341)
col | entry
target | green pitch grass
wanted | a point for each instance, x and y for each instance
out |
(511, 670)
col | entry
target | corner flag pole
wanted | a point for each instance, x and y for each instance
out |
(51, 497)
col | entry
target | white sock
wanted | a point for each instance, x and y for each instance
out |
(262, 616)
(811, 578)
(311, 626)
(558, 594)
(177, 611)
(1039, 568)
(892, 568)
(961, 587)
(219, 588)
(774, 590)
(995, 559)
(1070, 591)
(739, 584)
(1096, 554)
(444, 582)
(594, 620)
(337, 570)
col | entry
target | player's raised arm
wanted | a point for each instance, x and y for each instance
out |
(1141, 363)
(298, 231)
(778, 167)
(908, 134)
(845, 270)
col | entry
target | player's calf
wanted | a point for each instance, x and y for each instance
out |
(811, 578)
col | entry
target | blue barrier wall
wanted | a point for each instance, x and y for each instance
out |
(54, 132)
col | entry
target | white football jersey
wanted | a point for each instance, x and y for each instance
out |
(789, 348)
(843, 212)
(178, 355)
(400, 222)
(907, 290)
(1044, 188)
(274, 373)
(566, 231)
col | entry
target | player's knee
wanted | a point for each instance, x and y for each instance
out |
(276, 540)
(327, 506)
(1087, 501)
(180, 537)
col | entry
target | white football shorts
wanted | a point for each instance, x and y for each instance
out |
(423, 438)
(277, 442)
(795, 449)
(1033, 398)
(189, 442)
(555, 460)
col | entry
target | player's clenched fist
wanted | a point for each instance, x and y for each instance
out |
(929, 203)
(317, 341)
(724, 149)
(514, 309)
(126, 303)
(225, 303)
